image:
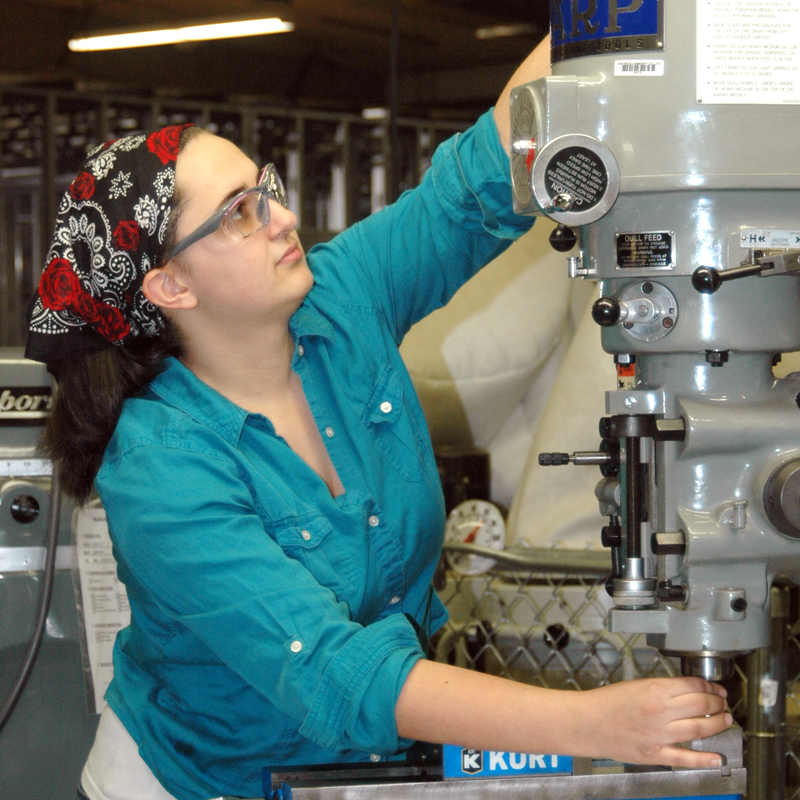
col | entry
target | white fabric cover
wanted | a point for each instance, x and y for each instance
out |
(498, 368)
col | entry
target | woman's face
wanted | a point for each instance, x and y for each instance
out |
(262, 277)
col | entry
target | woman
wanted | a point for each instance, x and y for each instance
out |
(270, 488)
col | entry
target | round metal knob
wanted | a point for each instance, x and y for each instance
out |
(606, 311)
(25, 509)
(706, 280)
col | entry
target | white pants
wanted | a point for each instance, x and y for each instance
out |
(115, 770)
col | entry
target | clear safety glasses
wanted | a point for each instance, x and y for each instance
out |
(244, 215)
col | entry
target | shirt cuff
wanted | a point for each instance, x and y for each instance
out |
(354, 704)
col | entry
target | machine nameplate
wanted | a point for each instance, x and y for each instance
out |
(769, 240)
(605, 27)
(646, 250)
(25, 405)
(462, 762)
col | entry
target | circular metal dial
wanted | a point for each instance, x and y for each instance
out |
(523, 127)
(476, 522)
(652, 310)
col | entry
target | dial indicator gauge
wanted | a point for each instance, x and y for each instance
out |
(477, 522)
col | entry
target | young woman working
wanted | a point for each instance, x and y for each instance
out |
(271, 491)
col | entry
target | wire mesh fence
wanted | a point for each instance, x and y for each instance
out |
(541, 617)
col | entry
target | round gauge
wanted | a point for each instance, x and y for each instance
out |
(474, 522)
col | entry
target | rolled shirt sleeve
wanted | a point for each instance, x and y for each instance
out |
(415, 254)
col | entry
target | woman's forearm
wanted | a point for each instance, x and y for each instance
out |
(633, 721)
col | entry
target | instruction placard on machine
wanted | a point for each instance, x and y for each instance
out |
(748, 52)
(769, 240)
(104, 599)
(645, 250)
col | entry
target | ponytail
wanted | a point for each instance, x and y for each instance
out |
(88, 404)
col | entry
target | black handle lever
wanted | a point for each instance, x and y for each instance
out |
(708, 279)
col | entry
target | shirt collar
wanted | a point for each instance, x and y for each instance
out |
(307, 321)
(181, 388)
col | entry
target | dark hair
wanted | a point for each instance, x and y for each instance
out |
(91, 389)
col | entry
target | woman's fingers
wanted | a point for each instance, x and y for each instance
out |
(693, 759)
(685, 730)
(696, 704)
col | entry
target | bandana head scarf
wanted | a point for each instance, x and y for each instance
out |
(110, 228)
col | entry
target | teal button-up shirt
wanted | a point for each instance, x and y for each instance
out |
(270, 621)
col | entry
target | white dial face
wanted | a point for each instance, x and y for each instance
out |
(474, 522)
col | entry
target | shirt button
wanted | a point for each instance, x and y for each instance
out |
(394, 600)
(301, 350)
(373, 521)
(306, 535)
(374, 758)
(329, 432)
(386, 407)
(296, 646)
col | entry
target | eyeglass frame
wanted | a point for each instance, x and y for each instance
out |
(214, 222)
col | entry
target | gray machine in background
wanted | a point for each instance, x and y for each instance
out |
(45, 742)
(668, 135)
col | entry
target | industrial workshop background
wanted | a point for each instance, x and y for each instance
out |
(545, 627)
(534, 616)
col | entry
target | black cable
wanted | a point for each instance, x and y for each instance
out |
(393, 183)
(48, 576)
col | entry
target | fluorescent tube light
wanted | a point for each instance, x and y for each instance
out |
(189, 33)
(502, 31)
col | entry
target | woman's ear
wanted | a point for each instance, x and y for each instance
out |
(163, 289)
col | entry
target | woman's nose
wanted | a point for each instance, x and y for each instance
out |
(281, 220)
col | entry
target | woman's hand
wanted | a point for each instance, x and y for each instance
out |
(641, 721)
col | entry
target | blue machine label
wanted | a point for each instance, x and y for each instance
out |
(461, 762)
(599, 27)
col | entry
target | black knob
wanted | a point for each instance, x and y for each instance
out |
(553, 459)
(563, 238)
(739, 605)
(706, 280)
(25, 509)
(606, 311)
(611, 536)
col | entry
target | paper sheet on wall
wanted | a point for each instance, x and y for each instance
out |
(105, 601)
(748, 52)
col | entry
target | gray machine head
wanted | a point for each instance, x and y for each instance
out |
(670, 140)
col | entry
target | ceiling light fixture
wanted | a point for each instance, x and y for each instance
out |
(501, 31)
(189, 33)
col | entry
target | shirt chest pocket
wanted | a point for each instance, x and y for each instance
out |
(392, 426)
(310, 539)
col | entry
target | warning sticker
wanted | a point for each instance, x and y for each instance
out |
(748, 52)
(648, 250)
(580, 173)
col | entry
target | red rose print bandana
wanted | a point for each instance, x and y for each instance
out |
(110, 228)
